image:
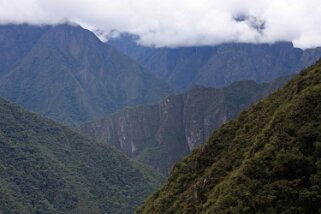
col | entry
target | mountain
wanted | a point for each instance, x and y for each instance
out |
(220, 65)
(159, 135)
(48, 168)
(15, 42)
(268, 160)
(65, 72)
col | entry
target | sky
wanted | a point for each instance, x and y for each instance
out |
(175, 23)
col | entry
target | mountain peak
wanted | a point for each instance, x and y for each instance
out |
(70, 75)
(71, 39)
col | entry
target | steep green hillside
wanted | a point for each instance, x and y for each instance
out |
(268, 160)
(160, 135)
(47, 168)
(70, 75)
(219, 65)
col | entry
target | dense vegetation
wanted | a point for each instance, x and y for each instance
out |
(160, 135)
(48, 168)
(268, 160)
(219, 65)
(65, 72)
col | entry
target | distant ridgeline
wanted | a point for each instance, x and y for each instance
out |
(162, 134)
(65, 72)
(48, 168)
(268, 160)
(219, 65)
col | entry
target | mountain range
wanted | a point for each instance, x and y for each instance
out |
(219, 65)
(157, 106)
(48, 168)
(65, 72)
(268, 160)
(159, 135)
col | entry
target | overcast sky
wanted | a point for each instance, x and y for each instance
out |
(180, 22)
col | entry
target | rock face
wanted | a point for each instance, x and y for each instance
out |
(65, 72)
(49, 168)
(268, 160)
(161, 134)
(220, 65)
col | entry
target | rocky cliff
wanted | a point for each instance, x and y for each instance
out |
(161, 134)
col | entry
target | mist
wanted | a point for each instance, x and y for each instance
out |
(178, 23)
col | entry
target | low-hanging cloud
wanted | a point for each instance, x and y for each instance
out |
(173, 23)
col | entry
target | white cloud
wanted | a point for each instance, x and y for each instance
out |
(180, 22)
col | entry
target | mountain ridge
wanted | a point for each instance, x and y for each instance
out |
(161, 134)
(217, 66)
(71, 76)
(267, 160)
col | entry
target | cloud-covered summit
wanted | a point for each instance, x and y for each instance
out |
(175, 23)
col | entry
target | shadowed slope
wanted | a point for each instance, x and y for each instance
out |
(48, 168)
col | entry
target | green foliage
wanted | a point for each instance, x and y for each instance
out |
(48, 168)
(266, 161)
